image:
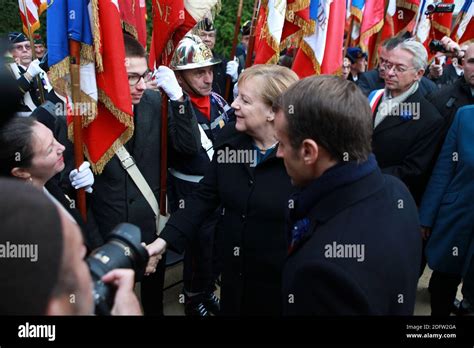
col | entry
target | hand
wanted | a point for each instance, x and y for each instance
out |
(34, 68)
(125, 302)
(450, 45)
(151, 84)
(155, 250)
(232, 69)
(82, 178)
(166, 79)
(436, 69)
(425, 232)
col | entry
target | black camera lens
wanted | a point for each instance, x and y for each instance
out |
(123, 249)
(437, 46)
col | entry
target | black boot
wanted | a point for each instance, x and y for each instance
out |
(212, 303)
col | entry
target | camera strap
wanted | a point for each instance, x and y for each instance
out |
(128, 163)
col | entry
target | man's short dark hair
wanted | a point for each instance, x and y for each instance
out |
(391, 43)
(331, 111)
(133, 48)
(28, 217)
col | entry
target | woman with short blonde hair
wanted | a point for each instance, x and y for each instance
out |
(253, 191)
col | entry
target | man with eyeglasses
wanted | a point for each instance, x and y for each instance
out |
(407, 127)
(375, 78)
(116, 198)
(26, 70)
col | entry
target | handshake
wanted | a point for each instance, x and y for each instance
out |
(155, 251)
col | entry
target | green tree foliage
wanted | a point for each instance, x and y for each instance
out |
(10, 19)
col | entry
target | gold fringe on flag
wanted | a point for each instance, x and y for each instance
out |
(375, 29)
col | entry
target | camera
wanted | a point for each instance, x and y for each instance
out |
(123, 249)
(437, 46)
(439, 8)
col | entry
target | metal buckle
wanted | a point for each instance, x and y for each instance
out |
(128, 162)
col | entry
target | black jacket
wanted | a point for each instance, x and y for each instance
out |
(252, 225)
(364, 212)
(407, 149)
(370, 81)
(450, 98)
(116, 198)
(449, 76)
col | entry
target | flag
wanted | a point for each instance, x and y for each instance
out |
(172, 19)
(405, 17)
(423, 23)
(113, 125)
(297, 23)
(268, 50)
(372, 24)
(356, 15)
(463, 30)
(69, 19)
(30, 10)
(321, 52)
(132, 15)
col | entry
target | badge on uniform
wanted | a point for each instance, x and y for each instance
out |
(221, 123)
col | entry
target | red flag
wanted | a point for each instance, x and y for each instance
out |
(463, 30)
(321, 52)
(133, 16)
(297, 22)
(113, 125)
(268, 49)
(372, 24)
(141, 16)
(30, 14)
(172, 19)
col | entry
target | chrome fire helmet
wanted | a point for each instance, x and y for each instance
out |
(192, 53)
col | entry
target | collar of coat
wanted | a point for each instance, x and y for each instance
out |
(335, 178)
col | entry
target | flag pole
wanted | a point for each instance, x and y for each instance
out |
(32, 44)
(234, 45)
(349, 35)
(75, 56)
(248, 60)
(164, 145)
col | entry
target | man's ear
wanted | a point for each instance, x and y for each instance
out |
(309, 151)
(179, 77)
(21, 173)
(419, 74)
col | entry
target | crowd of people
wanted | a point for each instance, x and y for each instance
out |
(321, 196)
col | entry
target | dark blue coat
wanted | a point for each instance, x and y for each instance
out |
(378, 212)
(448, 204)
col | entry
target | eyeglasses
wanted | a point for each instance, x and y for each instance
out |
(398, 69)
(134, 79)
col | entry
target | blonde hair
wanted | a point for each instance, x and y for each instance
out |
(275, 80)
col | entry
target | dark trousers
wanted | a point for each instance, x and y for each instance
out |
(443, 288)
(198, 274)
(151, 290)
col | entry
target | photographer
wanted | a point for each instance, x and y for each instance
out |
(441, 73)
(55, 279)
(450, 98)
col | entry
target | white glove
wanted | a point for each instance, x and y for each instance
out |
(166, 79)
(232, 69)
(34, 68)
(82, 178)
